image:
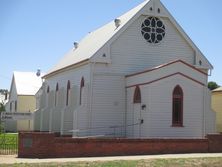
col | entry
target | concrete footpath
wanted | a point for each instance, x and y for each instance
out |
(12, 159)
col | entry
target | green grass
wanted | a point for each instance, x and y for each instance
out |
(191, 162)
(8, 141)
(9, 135)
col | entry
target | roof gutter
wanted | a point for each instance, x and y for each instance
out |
(72, 66)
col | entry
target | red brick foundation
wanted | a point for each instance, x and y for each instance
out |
(215, 143)
(48, 145)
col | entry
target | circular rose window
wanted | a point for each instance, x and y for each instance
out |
(153, 30)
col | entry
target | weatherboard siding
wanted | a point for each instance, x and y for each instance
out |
(73, 75)
(178, 68)
(56, 113)
(211, 116)
(158, 113)
(13, 96)
(131, 53)
(108, 107)
(217, 107)
(25, 104)
(11, 126)
(64, 118)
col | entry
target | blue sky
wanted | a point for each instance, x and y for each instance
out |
(35, 34)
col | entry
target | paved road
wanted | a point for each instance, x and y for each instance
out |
(11, 159)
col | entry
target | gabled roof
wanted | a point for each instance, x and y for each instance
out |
(217, 90)
(164, 65)
(95, 40)
(165, 71)
(26, 83)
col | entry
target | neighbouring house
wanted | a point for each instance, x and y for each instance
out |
(217, 107)
(24, 86)
(139, 76)
(4, 96)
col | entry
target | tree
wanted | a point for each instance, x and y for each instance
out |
(3, 91)
(213, 85)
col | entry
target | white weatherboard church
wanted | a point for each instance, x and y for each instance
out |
(139, 76)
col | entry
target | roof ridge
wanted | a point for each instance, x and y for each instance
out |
(87, 45)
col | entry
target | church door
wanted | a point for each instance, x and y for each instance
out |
(137, 113)
(136, 120)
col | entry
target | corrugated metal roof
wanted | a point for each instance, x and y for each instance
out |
(217, 90)
(89, 45)
(95, 40)
(27, 83)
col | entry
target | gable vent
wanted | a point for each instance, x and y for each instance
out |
(76, 45)
(117, 22)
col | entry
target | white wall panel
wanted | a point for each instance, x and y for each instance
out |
(158, 113)
(131, 53)
(108, 103)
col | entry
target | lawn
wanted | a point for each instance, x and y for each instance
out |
(8, 143)
(191, 162)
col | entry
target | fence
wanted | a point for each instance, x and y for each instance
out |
(8, 141)
(8, 144)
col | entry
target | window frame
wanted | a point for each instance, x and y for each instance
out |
(56, 92)
(177, 122)
(10, 106)
(82, 84)
(137, 95)
(68, 88)
(48, 89)
(15, 105)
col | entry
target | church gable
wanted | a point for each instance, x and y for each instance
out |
(96, 46)
(139, 50)
(161, 41)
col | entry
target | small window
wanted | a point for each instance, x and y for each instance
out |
(56, 93)
(137, 95)
(82, 84)
(177, 106)
(15, 105)
(68, 93)
(48, 89)
(10, 106)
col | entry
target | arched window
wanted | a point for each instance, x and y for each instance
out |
(177, 106)
(10, 106)
(137, 95)
(47, 96)
(68, 93)
(56, 93)
(82, 84)
(48, 89)
(16, 106)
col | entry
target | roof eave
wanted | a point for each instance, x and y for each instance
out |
(164, 65)
(75, 65)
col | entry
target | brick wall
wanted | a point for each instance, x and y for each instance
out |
(67, 147)
(48, 145)
(215, 143)
(36, 144)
